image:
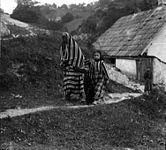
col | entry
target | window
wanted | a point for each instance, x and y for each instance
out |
(113, 61)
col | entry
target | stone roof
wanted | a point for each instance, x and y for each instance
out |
(131, 34)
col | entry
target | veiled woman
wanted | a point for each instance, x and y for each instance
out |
(72, 59)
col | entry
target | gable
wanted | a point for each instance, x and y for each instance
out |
(157, 47)
(131, 34)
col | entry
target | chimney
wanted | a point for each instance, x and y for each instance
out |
(161, 2)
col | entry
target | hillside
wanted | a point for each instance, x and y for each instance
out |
(79, 16)
(12, 28)
(29, 58)
(107, 12)
(76, 22)
(8, 25)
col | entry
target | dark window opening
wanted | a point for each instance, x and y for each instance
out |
(113, 61)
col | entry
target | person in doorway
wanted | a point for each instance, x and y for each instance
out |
(99, 77)
(72, 59)
(148, 81)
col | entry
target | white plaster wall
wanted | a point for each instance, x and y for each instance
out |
(127, 66)
(158, 45)
(159, 72)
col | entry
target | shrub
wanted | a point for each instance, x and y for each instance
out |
(152, 105)
(67, 17)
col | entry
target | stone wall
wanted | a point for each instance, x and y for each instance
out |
(127, 66)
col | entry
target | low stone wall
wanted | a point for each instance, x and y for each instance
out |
(116, 75)
(127, 66)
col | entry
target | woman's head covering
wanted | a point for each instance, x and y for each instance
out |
(66, 35)
(99, 52)
(72, 54)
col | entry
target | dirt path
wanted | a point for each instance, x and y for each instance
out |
(110, 99)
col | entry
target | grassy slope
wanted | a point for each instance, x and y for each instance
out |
(40, 73)
(74, 24)
(100, 127)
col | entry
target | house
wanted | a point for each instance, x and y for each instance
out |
(136, 42)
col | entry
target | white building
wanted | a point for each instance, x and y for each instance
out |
(136, 42)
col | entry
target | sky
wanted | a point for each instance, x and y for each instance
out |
(9, 5)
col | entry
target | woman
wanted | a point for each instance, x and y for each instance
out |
(99, 77)
(72, 59)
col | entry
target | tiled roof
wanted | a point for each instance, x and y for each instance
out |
(131, 34)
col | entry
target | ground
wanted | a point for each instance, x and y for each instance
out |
(116, 126)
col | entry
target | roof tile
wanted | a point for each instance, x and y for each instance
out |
(131, 34)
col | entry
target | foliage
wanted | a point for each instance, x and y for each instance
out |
(26, 2)
(52, 25)
(89, 26)
(32, 60)
(64, 6)
(104, 2)
(152, 105)
(27, 14)
(35, 15)
(108, 12)
(67, 17)
(1, 10)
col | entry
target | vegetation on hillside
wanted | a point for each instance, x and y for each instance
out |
(30, 13)
(1, 10)
(31, 59)
(49, 16)
(108, 12)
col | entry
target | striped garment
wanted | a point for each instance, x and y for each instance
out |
(72, 54)
(72, 59)
(99, 77)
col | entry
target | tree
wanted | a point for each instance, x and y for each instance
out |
(26, 2)
(1, 10)
(64, 6)
(104, 2)
(73, 6)
(26, 14)
(54, 5)
(67, 17)
(81, 5)
(89, 26)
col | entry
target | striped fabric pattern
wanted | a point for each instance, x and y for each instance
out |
(73, 82)
(73, 54)
(73, 58)
(99, 76)
(99, 89)
(99, 70)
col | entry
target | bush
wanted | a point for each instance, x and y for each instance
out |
(26, 14)
(32, 60)
(67, 17)
(34, 15)
(152, 105)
